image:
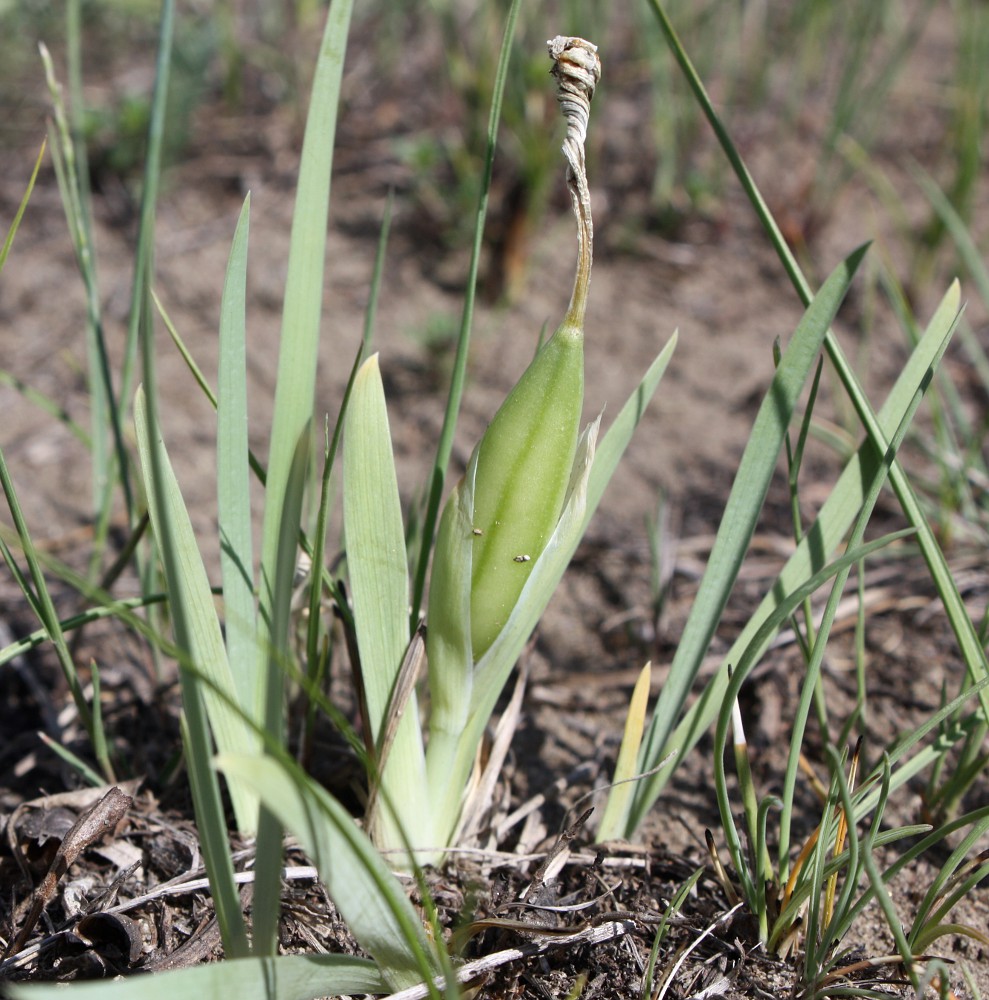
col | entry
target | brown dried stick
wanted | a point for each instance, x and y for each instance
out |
(93, 824)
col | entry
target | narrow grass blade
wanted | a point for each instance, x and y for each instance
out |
(197, 373)
(140, 328)
(738, 523)
(139, 332)
(911, 767)
(104, 407)
(612, 446)
(39, 636)
(183, 348)
(745, 660)
(139, 345)
(378, 568)
(19, 214)
(100, 747)
(950, 884)
(40, 599)
(960, 233)
(287, 977)
(973, 654)
(837, 928)
(877, 878)
(833, 521)
(197, 628)
(69, 161)
(922, 840)
(233, 475)
(74, 761)
(198, 637)
(368, 896)
(857, 533)
(826, 940)
(371, 313)
(48, 405)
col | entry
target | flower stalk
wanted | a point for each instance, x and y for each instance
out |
(503, 512)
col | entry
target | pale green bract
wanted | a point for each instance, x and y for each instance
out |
(287, 977)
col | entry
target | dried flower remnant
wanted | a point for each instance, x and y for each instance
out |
(577, 68)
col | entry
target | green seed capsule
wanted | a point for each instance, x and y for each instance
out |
(523, 462)
(523, 468)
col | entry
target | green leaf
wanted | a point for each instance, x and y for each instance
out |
(968, 250)
(298, 351)
(378, 568)
(197, 628)
(742, 667)
(370, 899)
(449, 648)
(38, 596)
(197, 634)
(610, 449)
(738, 524)
(287, 977)
(233, 477)
(492, 670)
(291, 425)
(973, 654)
(19, 214)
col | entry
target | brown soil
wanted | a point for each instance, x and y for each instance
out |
(713, 277)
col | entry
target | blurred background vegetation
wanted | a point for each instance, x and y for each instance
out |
(825, 99)
(806, 80)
